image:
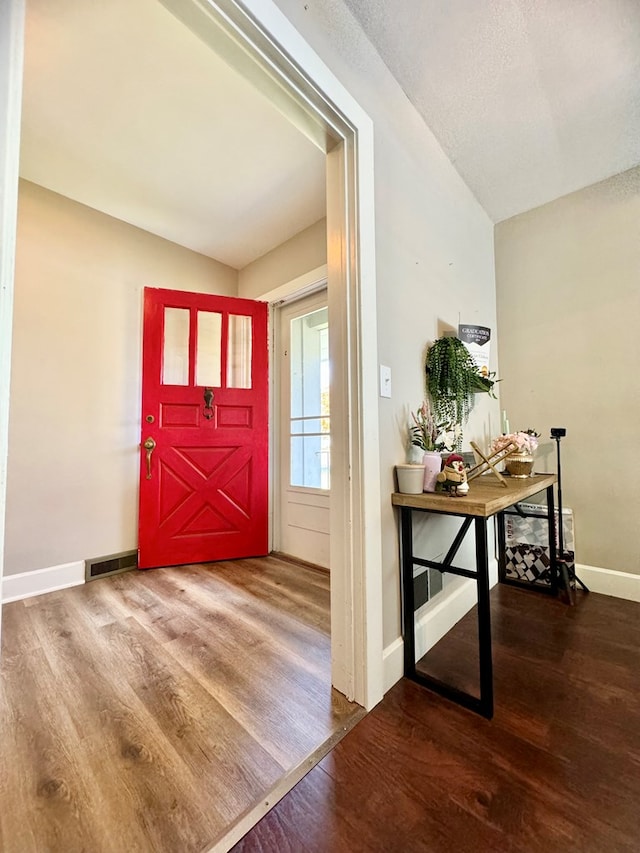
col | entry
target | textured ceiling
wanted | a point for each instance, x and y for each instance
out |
(530, 99)
(126, 111)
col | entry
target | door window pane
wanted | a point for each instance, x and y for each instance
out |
(175, 347)
(208, 348)
(310, 461)
(239, 352)
(310, 416)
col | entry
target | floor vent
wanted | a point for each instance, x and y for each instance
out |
(114, 564)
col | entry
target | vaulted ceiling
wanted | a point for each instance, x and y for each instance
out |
(128, 112)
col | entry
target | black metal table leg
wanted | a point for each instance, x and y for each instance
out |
(484, 704)
(553, 556)
(484, 620)
(502, 548)
(408, 601)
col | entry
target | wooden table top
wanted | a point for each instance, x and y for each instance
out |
(486, 497)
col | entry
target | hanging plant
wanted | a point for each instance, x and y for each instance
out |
(453, 379)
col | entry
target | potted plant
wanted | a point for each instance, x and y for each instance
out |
(432, 438)
(452, 380)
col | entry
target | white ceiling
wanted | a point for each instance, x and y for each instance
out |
(126, 111)
(530, 99)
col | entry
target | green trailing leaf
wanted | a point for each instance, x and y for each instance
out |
(453, 379)
(484, 384)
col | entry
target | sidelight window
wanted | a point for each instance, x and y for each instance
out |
(310, 415)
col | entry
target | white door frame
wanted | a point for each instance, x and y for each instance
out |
(11, 62)
(265, 48)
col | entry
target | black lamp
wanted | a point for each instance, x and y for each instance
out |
(564, 570)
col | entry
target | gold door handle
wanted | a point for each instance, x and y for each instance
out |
(149, 445)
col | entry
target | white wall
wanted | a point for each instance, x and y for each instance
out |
(75, 398)
(434, 248)
(568, 278)
(301, 254)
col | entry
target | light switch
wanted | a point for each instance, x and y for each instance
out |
(385, 381)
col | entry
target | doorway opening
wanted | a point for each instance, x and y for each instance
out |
(258, 41)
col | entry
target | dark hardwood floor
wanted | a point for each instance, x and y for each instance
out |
(557, 769)
(155, 711)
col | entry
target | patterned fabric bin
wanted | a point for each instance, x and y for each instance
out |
(527, 557)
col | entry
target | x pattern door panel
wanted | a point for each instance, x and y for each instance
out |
(219, 478)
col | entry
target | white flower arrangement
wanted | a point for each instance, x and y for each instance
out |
(428, 435)
(449, 437)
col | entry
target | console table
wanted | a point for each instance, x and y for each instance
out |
(486, 498)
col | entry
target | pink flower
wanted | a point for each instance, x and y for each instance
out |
(524, 441)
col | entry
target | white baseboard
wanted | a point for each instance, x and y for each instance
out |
(434, 623)
(392, 663)
(610, 582)
(28, 584)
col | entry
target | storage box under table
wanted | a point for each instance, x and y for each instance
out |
(527, 556)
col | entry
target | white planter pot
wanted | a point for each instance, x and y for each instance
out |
(410, 479)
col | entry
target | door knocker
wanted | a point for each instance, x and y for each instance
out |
(208, 400)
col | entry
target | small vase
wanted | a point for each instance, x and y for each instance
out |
(410, 479)
(519, 465)
(432, 465)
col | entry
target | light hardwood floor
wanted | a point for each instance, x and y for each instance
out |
(155, 711)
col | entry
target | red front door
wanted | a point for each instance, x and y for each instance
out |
(204, 440)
